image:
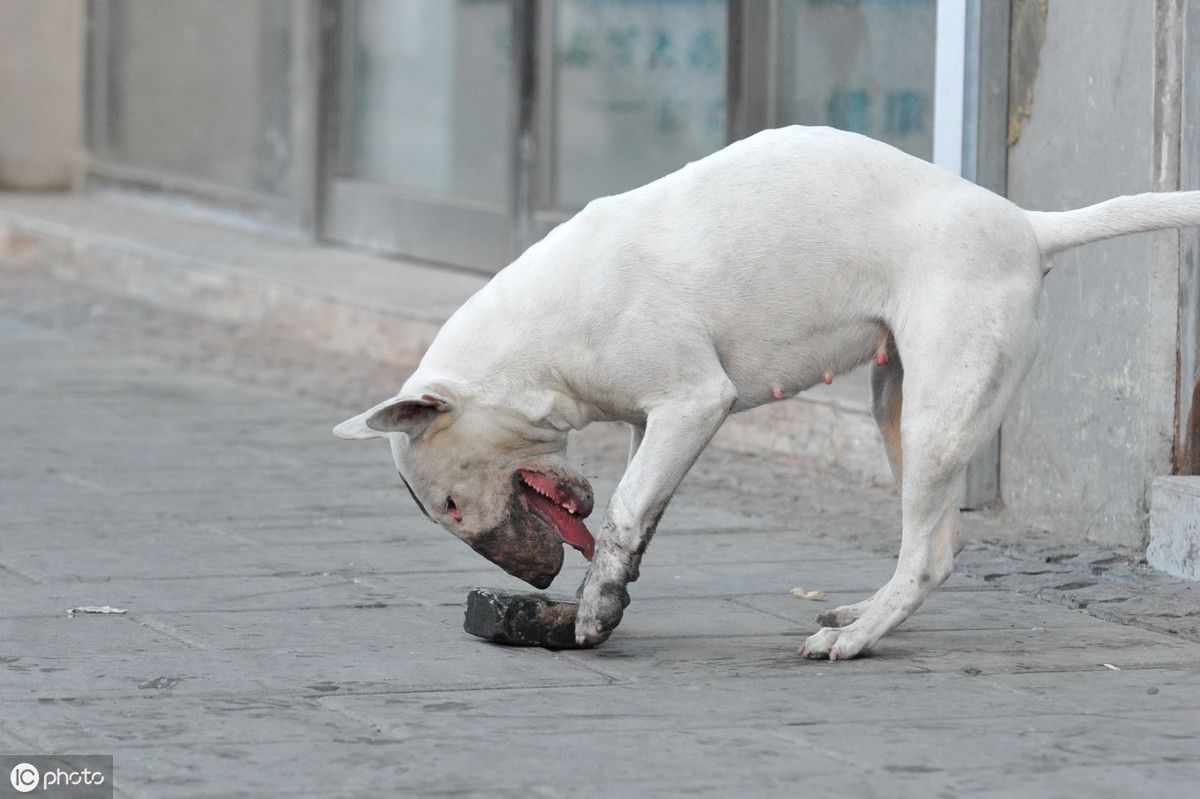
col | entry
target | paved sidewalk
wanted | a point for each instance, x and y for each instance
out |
(294, 624)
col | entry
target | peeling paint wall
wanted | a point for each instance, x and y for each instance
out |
(1028, 27)
(1093, 422)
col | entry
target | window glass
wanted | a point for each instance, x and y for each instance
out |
(431, 96)
(202, 90)
(639, 91)
(860, 65)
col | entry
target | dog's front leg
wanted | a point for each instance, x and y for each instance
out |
(675, 435)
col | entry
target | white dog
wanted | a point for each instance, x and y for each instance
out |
(743, 278)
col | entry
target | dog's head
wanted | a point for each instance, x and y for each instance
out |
(489, 476)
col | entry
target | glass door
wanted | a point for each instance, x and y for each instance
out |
(422, 134)
(630, 90)
(866, 67)
(204, 101)
(461, 131)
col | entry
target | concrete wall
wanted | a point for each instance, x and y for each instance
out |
(41, 92)
(1093, 422)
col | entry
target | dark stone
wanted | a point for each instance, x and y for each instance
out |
(522, 619)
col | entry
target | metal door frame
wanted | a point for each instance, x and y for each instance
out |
(981, 58)
(1181, 30)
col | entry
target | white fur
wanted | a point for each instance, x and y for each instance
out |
(789, 254)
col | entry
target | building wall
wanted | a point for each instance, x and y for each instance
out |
(41, 80)
(1093, 423)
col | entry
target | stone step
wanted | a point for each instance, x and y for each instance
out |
(1175, 526)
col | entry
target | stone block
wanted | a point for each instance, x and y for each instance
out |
(1175, 526)
(521, 619)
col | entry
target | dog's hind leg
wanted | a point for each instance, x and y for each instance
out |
(887, 380)
(887, 400)
(963, 361)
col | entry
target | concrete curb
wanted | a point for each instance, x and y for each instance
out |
(234, 278)
(1175, 526)
(352, 303)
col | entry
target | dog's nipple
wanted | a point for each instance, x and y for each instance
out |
(828, 377)
(881, 354)
(777, 392)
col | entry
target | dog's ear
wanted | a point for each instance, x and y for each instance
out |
(409, 415)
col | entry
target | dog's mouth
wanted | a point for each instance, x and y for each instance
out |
(560, 503)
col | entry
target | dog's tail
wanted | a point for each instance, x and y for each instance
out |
(1057, 231)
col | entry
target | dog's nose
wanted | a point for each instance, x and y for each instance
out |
(578, 493)
(585, 500)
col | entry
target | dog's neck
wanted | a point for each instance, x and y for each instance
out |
(536, 406)
(495, 352)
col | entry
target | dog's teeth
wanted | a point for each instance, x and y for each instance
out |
(570, 506)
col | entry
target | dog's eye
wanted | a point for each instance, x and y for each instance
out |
(452, 510)
(450, 505)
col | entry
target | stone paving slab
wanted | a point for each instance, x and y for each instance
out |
(294, 626)
(684, 658)
(204, 595)
(40, 637)
(977, 609)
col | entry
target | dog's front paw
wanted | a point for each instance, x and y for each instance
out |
(601, 605)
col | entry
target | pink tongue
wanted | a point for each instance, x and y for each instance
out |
(575, 533)
(572, 530)
(570, 527)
